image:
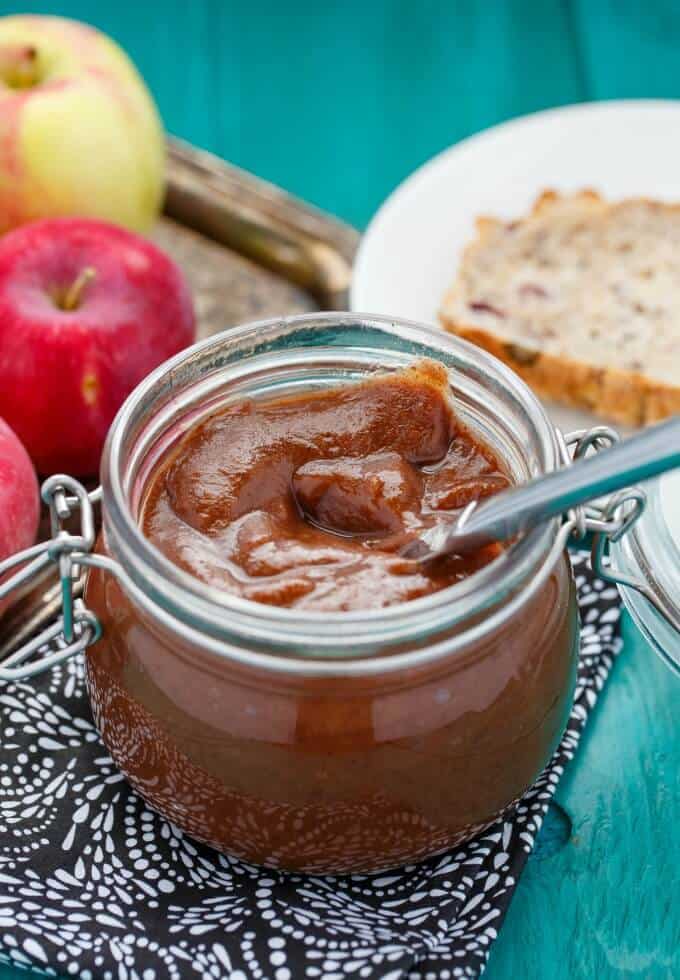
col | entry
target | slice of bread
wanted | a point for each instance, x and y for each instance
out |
(582, 299)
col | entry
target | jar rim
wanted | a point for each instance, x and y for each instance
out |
(222, 614)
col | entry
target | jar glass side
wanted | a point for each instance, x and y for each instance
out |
(335, 773)
(650, 553)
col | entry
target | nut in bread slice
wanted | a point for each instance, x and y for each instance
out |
(582, 298)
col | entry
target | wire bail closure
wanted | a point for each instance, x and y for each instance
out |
(78, 628)
(610, 519)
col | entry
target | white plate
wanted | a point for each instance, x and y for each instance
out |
(409, 253)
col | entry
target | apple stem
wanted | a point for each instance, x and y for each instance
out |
(74, 293)
(18, 65)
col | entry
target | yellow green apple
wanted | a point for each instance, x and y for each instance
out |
(79, 132)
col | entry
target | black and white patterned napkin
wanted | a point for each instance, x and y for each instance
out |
(94, 884)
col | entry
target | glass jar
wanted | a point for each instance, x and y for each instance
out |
(328, 742)
(646, 563)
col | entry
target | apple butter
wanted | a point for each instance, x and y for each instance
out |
(306, 501)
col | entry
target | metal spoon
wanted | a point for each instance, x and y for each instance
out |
(513, 511)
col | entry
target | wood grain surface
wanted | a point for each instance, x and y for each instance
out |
(338, 102)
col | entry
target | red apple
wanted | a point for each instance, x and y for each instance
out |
(19, 499)
(87, 309)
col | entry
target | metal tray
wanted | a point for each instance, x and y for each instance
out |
(250, 251)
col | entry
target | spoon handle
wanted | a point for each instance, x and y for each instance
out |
(638, 458)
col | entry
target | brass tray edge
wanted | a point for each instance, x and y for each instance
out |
(261, 221)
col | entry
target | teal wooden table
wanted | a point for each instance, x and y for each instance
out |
(338, 102)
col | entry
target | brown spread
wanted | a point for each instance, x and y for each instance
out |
(306, 501)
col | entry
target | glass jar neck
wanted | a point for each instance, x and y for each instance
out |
(305, 353)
